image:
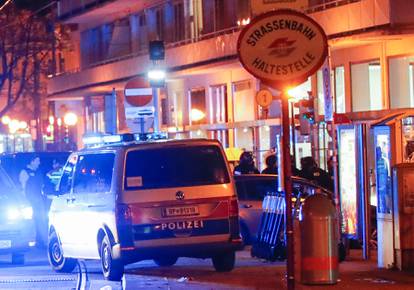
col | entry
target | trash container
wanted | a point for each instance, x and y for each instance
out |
(319, 240)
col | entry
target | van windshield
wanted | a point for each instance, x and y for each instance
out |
(174, 167)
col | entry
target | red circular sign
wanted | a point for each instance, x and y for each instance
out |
(138, 92)
(282, 47)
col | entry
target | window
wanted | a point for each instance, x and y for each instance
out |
(198, 106)
(340, 89)
(65, 183)
(179, 24)
(174, 167)
(160, 23)
(366, 87)
(218, 104)
(94, 173)
(401, 79)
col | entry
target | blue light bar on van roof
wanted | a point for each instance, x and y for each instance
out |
(151, 136)
(100, 140)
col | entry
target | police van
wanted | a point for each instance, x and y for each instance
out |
(137, 197)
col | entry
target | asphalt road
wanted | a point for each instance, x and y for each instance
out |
(187, 274)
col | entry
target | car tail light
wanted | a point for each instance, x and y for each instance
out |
(123, 213)
(233, 207)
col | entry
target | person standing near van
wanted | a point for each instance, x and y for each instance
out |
(271, 165)
(31, 181)
(246, 164)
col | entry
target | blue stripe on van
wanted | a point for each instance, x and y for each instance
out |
(185, 228)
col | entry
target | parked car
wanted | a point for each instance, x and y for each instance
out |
(251, 190)
(17, 230)
(13, 163)
(130, 201)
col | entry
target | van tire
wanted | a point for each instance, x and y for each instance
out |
(224, 262)
(166, 261)
(56, 258)
(112, 269)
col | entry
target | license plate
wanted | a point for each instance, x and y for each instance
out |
(180, 211)
(5, 244)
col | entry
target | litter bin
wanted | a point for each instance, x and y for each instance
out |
(319, 240)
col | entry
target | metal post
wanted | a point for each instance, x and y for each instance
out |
(156, 109)
(292, 111)
(287, 168)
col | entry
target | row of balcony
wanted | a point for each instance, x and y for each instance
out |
(354, 16)
(71, 8)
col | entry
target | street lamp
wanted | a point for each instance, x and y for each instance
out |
(197, 115)
(70, 119)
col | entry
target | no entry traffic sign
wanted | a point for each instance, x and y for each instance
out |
(282, 47)
(138, 92)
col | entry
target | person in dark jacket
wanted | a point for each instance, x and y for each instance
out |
(31, 181)
(246, 164)
(312, 172)
(271, 165)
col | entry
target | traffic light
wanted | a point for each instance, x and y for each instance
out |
(306, 114)
(307, 109)
(156, 50)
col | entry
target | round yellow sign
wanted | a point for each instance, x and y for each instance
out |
(282, 47)
(264, 98)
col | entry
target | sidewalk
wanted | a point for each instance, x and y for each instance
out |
(355, 274)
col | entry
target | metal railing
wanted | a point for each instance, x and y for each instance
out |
(145, 51)
(83, 4)
(328, 4)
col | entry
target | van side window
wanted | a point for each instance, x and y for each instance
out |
(67, 175)
(94, 173)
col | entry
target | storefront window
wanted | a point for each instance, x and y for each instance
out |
(366, 87)
(340, 89)
(244, 138)
(218, 104)
(401, 82)
(347, 180)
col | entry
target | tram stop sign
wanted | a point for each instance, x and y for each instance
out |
(282, 48)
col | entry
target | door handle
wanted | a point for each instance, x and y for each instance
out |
(97, 205)
(70, 200)
(247, 205)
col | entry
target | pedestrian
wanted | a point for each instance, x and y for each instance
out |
(271, 165)
(312, 172)
(246, 164)
(31, 181)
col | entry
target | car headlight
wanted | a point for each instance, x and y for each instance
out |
(25, 213)
(13, 214)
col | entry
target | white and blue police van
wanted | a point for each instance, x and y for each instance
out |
(139, 197)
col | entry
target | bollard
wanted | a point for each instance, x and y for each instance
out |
(319, 241)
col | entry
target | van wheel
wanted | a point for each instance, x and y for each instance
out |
(56, 258)
(224, 262)
(166, 261)
(112, 269)
(17, 258)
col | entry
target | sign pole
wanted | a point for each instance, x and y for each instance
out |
(287, 169)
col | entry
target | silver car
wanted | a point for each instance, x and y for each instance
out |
(252, 188)
(17, 230)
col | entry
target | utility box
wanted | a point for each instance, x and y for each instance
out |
(319, 240)
(403, 194)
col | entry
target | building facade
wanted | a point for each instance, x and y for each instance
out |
(208, 93)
